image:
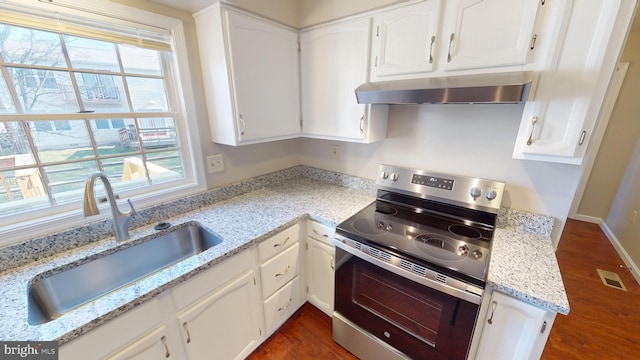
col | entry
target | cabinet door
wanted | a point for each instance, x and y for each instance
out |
(264, 67)
(224, 325)
(151, 347)
(510, 330)
(334, 61)
(485, 33)
(404, 43)
(320, 272)
(557, 123)
(123, 332)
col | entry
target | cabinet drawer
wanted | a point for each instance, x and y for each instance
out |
(320, 232)
(279, 270)
(278, 243)
(281, 305)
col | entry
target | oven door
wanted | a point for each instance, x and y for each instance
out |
(417, 320)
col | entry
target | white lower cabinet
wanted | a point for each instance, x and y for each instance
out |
(136, 334)
(320, 266)
(225, 324)
(149, 347)
(513, 330)
(280, 277)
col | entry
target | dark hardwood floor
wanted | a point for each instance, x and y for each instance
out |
(604, 323)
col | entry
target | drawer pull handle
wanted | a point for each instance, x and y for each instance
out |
(281, 243)
(283, 271)
(186, 330)
(332, 263)
(319, 234)
(451, 38)
(534, 120)
(285, 306)
(163, 339)
(433, 40)
(494, 304)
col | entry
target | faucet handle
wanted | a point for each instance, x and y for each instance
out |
(131, 209)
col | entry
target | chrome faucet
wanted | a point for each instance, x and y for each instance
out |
(90, 207)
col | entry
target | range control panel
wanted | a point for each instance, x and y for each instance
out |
(432, 181)
(463, 190)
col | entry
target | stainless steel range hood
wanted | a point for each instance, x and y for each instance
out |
(495, 88)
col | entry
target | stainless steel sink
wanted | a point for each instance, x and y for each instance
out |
(54, 295)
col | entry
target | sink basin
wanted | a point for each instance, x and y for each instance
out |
(54, 295)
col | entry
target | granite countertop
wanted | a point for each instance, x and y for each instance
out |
(248, 217)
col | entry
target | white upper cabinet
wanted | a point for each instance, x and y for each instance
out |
(487, 33)
(405, 41)
(334, 61)
(559, 118)
(430, 37)
(251, 76)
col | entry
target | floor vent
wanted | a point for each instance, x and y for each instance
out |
(611, 279)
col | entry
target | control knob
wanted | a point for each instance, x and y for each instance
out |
(475, 192)
(490, 194)
(477, 254)
(463, 250)
(394, 176)
(384, 175)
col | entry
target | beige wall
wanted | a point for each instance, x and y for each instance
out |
(313, 12)
(621, 135)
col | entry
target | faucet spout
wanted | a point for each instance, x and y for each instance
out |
(90, 206)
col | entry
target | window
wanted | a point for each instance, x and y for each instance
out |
(72, 104)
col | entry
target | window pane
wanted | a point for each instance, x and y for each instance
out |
(137, 60)
(6, 102)
(44, 91)
(157, 133)
(91, 54)
(115, 140)
(164, 166)
(147, 94)
(67, 180)
(14, 148)
(117, 123)
(127, 172)
(30, 47)
(56, 146)
(21, 190)
(102, 93)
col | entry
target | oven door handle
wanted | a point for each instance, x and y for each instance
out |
(475, 297)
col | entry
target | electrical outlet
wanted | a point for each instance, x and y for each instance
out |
(335, 152)
(634, 217)
(215, 163)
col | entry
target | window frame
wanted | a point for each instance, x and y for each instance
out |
(180, 97)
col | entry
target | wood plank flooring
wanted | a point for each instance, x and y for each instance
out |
(604, 323)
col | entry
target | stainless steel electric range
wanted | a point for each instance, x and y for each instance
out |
(411, 267)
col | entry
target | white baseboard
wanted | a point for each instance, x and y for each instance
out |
(633, 267)
(589, 219)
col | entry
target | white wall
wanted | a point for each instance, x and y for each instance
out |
(473, 140)
(619, 220)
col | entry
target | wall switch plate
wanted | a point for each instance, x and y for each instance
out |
(215, 163)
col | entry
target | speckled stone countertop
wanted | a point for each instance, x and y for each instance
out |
(243, 214)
